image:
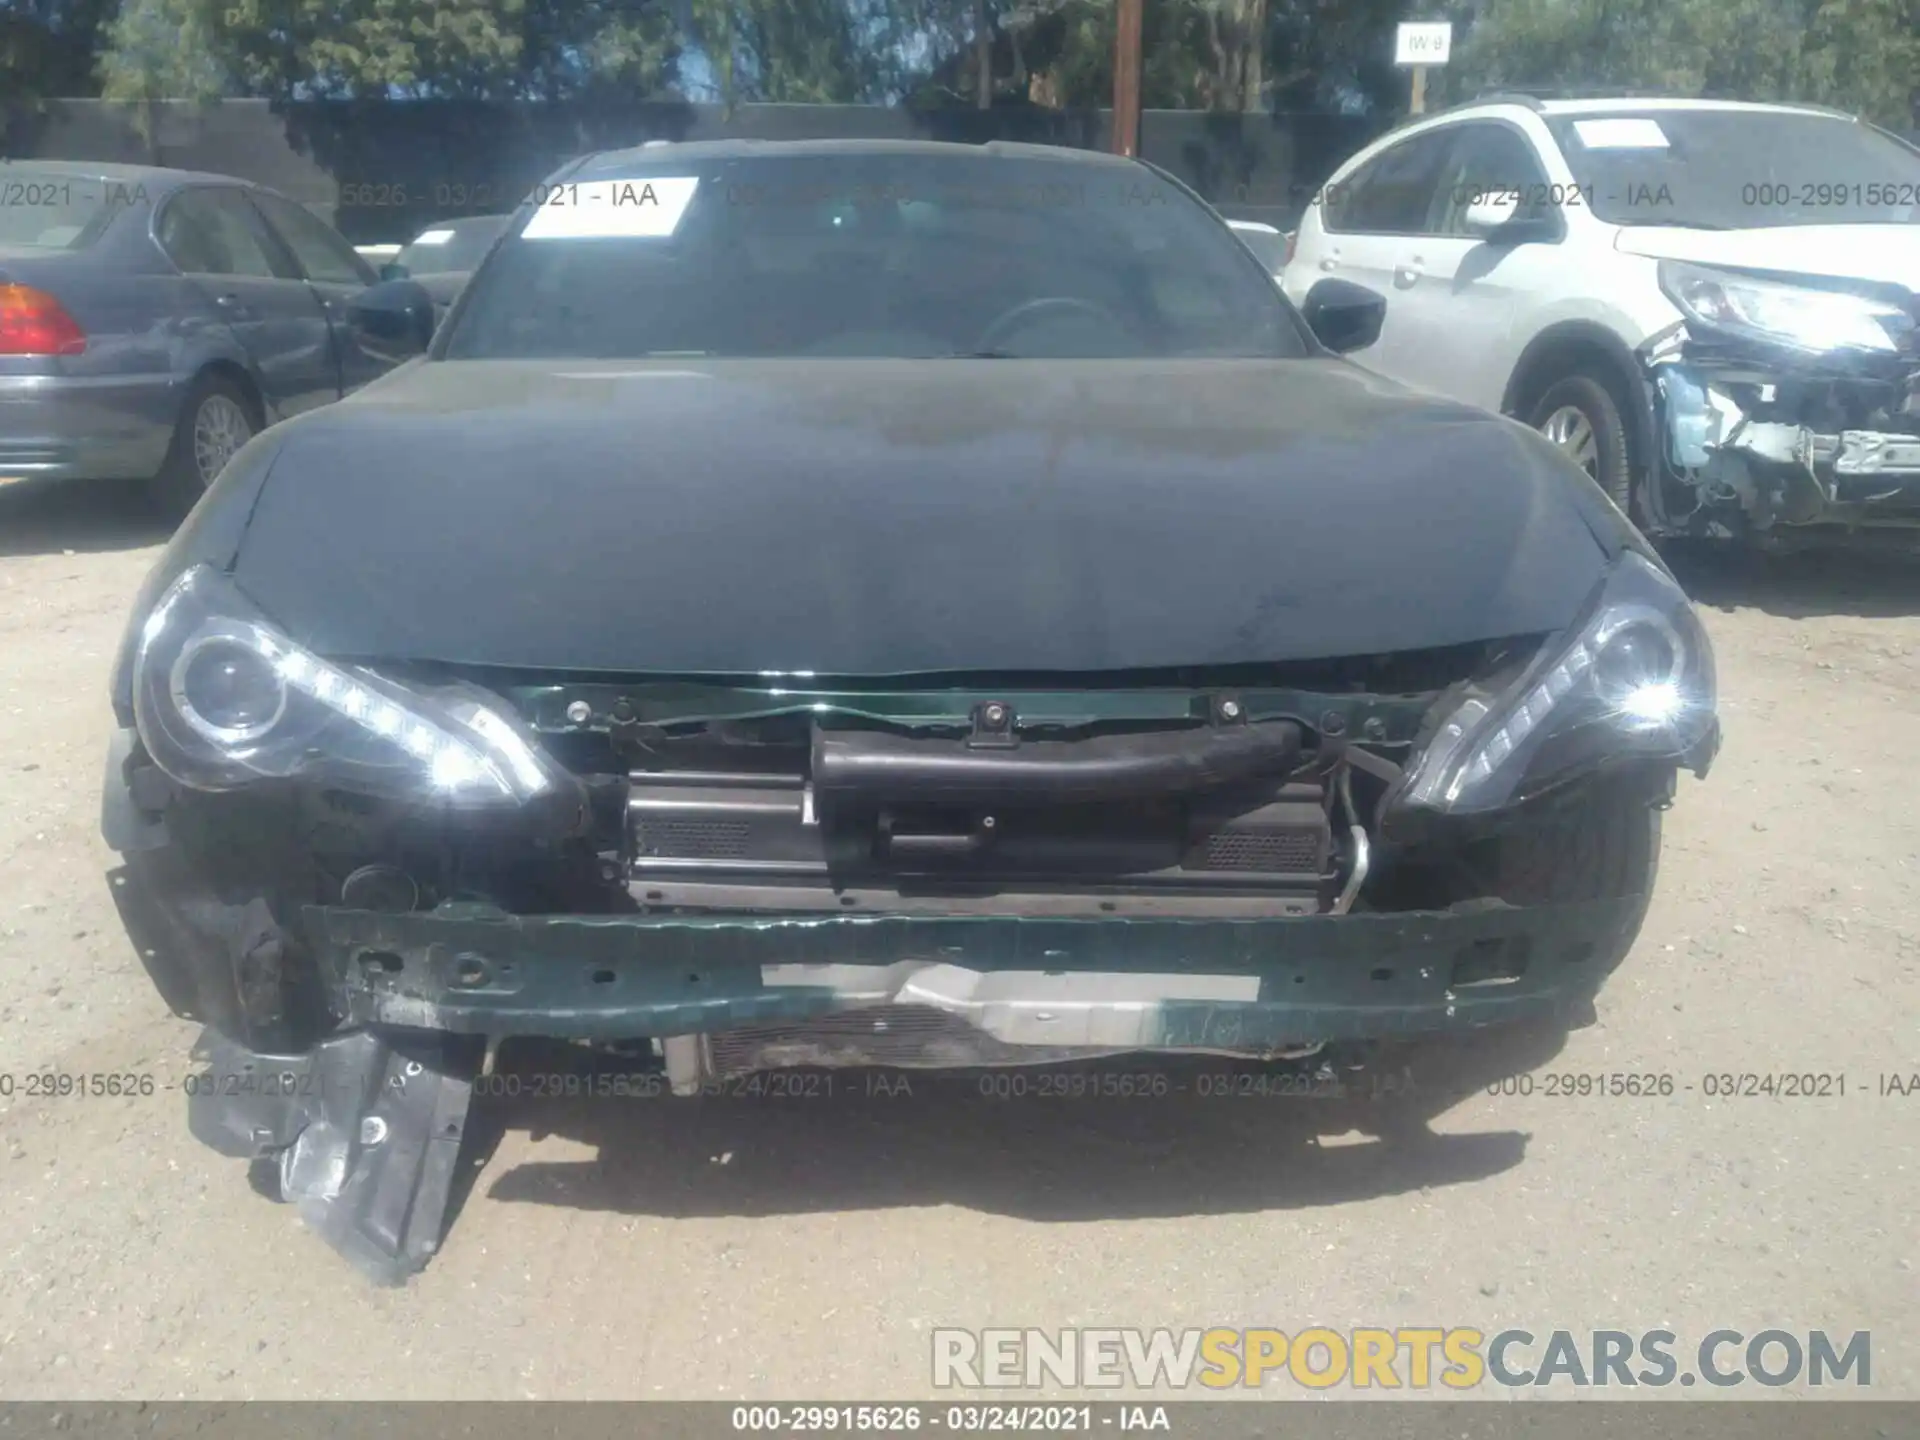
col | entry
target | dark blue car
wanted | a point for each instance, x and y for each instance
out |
(152, 320)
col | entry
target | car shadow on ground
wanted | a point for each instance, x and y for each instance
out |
(1211, 1142)
(1804, 586)
(85, 517)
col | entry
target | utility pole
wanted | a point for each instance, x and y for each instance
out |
(1126, 77)
(982, 55)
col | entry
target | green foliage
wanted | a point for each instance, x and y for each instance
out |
(1322, 51)
(792, 51)
(1861, 55)
(348, 48)
(164, 50)
(1070, 43)
(1858, 55)
(574, 47)
(47, 50)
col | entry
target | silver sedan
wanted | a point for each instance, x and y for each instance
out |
(153, 320)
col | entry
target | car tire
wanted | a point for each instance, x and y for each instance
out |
(263, 1177)
(1598, 841)
(217, 418)
(1581, 416)
(1601, 844)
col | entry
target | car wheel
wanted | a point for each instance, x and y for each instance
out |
(1580, 415)
(264, 1176)
(216, 420)
(1599, 841)
(1600, 844)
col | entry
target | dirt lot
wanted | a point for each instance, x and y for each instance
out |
(727, 1247)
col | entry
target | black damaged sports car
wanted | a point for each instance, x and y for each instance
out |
(866, 604)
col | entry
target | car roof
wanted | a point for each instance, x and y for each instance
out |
(152, 176)
(1611, 105)
(609, 163)
(1505, 104)
(1593, 106)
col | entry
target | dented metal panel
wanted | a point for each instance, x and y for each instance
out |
(1314, 977)
(1778, 445)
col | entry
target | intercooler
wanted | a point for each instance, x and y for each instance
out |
(706, 840)
(1217, 823)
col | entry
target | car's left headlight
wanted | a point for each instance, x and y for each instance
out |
(1805, 319)
(1635, 680)
(222, 699)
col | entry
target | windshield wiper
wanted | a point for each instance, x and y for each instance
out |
(977, 355)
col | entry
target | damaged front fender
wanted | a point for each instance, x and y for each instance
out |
(362, 1133)
(1774, 446)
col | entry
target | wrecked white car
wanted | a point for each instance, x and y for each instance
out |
(1713, 307)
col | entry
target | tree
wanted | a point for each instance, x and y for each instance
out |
(163, 50)
(589, 47)
(801, 51)
(1859, 55)
(1236, 32)
(1234, 55)
(1060, 53)
(1335, 55)
(47, 50)
(374, 48)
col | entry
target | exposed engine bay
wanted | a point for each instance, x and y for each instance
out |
(674, 804)
(1215, 822)
(1782, 441)
(366, 882)
(1098, 827)
(1208, 810)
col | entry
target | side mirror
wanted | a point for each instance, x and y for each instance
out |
(1494, 210)
(1344, 316)
(1495, 218)
(394, 270)
(393, 320)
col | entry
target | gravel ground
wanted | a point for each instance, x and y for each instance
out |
(727, 1247)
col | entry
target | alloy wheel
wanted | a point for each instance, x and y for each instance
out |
(220, 427)
(1569, 428)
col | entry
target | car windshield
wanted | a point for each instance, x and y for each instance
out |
(1739, 169)
(48, 210)
(907, 254)
(457, 246)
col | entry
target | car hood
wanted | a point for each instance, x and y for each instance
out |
(857, 518)
(1886, 254)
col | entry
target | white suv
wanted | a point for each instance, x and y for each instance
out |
(1713, 307)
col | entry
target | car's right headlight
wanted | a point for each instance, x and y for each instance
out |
(222, 698)
(1792, 315)
(1634, 680)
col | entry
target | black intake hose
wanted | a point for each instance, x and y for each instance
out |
(880, 765)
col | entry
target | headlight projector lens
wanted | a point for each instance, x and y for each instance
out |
(1638, 670)
(227, 690)
(1638, 654)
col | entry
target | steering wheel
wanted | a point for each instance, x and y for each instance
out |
(1043, 307)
